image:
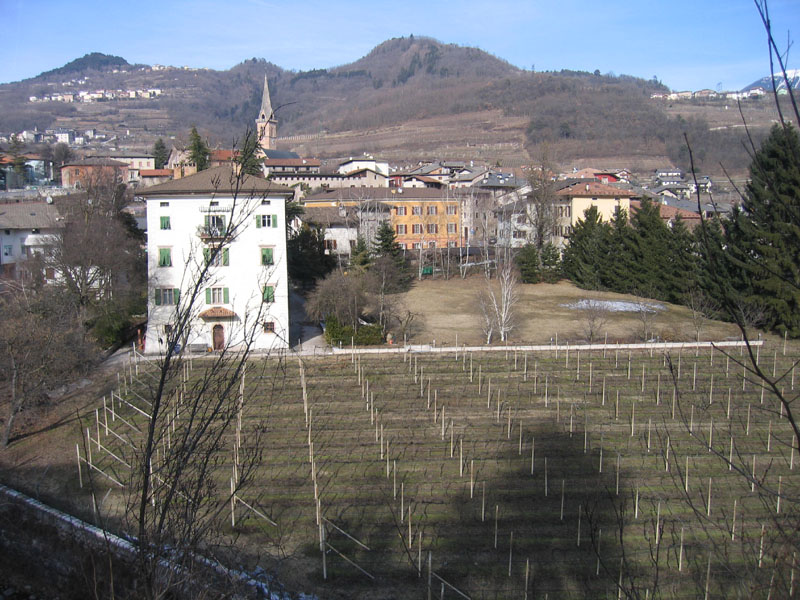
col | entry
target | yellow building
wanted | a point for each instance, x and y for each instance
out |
(421, 217)
(573, 201)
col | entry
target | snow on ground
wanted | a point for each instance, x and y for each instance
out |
(615, 305)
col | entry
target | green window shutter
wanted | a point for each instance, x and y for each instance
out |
(206, 255)
(222, 225)
(206, 221)
(164, 257)
(165, 223)
(269, 293)
(208, 295)
(176, 295)
(158, 297)
(266, 256)
(225, 259)
(274, 220)
(225, 297)
(258, 221)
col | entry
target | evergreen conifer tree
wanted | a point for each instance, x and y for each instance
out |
(527, 260)
(582, 256)
(551, 263)
(198, 150)
(160, 153)
(767, 249)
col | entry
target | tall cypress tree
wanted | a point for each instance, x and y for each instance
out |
(768, 247)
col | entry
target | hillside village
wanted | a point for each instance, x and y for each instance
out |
(342, 374)
(440, 212)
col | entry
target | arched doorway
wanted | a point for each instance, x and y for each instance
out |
(218, 337)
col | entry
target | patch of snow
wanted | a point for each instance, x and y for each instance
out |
(615, 306)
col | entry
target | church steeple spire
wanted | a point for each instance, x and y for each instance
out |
(266, 123)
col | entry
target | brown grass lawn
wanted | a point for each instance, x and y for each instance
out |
(450, 308)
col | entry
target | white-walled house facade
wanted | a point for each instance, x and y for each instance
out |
(229, 234)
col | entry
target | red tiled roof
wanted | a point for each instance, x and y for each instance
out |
(223, 155)
(155, 172)
(668, 212)
(217, 312)
(593, 188)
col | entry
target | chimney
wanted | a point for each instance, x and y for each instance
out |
(587, 187)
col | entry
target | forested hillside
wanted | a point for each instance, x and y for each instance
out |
(567, 115)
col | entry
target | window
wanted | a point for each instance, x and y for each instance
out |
(416, 210)
(452, 228)
(8, 250)
(432, 210)
(163, 204)
(165, 224)
(401, 229)
(269, 326)
(330, 244)
(267, 257)
(433, 228)
(167, 296)
(167, 328)
(216, 257)
(416, 228)
(214, 224)
(517, 234)
(165, 257)
(265, 202)
(352, 244)
(217, 295)
(266, 221)
(417, 245)
(452, 209)
(431, 244)
(401, 211)
(451, 244)
(567, 211)
(268, 294)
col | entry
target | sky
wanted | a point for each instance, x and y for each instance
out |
(686, 44)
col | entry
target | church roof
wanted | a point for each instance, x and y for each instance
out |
(265, 113)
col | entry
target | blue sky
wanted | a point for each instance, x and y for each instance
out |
(686, 44)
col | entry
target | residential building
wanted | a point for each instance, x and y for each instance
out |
(421, 217)
(343, 224)
(573, 201)
(90, 171)
(245, 291)
(26, 228)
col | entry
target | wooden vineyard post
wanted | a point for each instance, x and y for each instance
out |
(80, 475)
(496, 514)
(430, 572)
(580, 510)
(533, 450)
(562, 500)
(510, 552)
(322, 549)
(471, 478)
(680, 553)
(527, 570)
(545, 476)
(483, 502)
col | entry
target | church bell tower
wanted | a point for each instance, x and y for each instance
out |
(266, 123)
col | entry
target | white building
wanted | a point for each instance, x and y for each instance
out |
(200, 229)
(26, 228)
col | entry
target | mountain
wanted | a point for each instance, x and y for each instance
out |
(780, 84)
(95, 61)
(409, 98)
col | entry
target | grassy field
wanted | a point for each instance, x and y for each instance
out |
(450, 307)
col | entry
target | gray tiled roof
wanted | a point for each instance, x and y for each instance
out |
(218, 181)
(28, 215)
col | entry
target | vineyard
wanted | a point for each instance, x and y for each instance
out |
(569, 472)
